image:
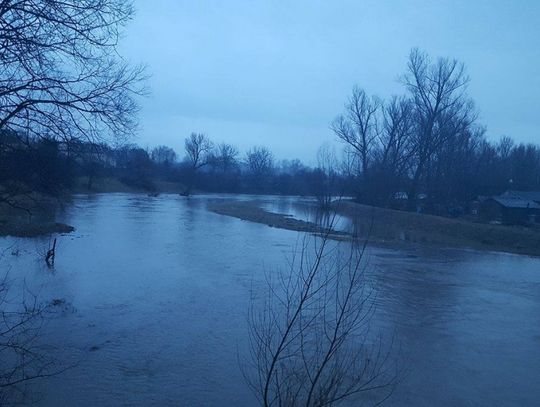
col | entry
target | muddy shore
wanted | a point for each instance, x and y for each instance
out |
(250, 211)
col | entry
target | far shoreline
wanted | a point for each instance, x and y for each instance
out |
(393, 228)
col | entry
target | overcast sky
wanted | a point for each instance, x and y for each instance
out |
(276, 73)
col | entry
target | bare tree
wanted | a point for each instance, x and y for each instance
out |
(404, 142)
(359, 126)
(60, 74)
(260, 161)
(505, 146)
(438, 92)
(392, 158)
(163, 155)
(198, 148)
(327, 175)
(198, 153)
(396, 136)
(225, 158)
(349, 163)
(309, 333)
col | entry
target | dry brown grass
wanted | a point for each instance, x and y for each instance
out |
(393, 225)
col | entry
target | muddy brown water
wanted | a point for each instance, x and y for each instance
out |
(156, 292)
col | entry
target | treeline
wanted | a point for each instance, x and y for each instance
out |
(422, 150)
(428, 144)
(53, 167)
(222, 168)
(465, 166)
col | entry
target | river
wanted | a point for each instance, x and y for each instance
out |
(156, 292)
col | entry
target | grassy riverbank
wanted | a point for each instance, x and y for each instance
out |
(387, 226)
(393, 225)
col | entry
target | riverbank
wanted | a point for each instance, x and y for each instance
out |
(31, 229)
(250, 211)
(380, 226)
(392, 227)
(31, 216)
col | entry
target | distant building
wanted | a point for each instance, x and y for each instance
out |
(510, 209)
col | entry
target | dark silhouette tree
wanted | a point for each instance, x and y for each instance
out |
(61, 76)
(442, 108)
(359, 127)
(309, 332)
(198, 154)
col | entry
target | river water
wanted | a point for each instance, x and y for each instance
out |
(156, 293)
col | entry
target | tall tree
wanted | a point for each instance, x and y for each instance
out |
(441, 106)
(225, 158)
(359, 126)
(393, 154)
(198, 153)
(260, 161)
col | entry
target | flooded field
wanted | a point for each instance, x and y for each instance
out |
(156, 291)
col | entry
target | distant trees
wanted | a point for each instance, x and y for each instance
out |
(163, 155)
(525, 170)
(135, 168)
(393, 157)
(225, 157)
(224, 169)
(198, 150)
(198, 154)
(32, 166)
(462, 167)
(324, 179)
(426, 141)
(260, 162)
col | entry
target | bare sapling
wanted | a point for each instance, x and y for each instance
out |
(310, 337)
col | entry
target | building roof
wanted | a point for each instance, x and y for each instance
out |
(525, 195)
(517, 203)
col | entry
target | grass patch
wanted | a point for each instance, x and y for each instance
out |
(394, 226)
